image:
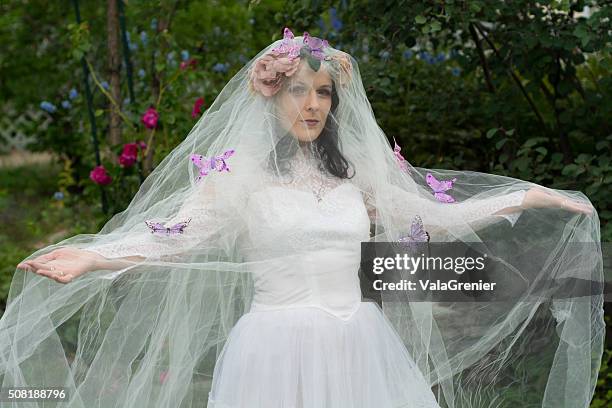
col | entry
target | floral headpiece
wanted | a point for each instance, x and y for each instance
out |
(282, 61)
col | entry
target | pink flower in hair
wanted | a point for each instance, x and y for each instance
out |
(269, 71)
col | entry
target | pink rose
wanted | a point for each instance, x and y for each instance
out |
(126, 160)
(197, 107)
(270, 70)
(150, 118)
(99, 176)
(129, 155)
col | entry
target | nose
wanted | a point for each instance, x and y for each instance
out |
(312, 102)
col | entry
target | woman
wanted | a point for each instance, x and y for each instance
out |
(243, 248)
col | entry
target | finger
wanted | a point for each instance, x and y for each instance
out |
(55, 276)
(39, 265)
(26, 266)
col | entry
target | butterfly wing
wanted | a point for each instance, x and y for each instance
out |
(417, 230)
(155, 226)
(179, 227)
(433, 183)
(444, 198)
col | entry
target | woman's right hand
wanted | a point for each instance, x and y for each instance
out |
(63, 264)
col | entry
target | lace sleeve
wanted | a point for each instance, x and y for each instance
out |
(478, 212)
(206, 222)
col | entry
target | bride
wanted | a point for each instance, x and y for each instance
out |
(236, 275)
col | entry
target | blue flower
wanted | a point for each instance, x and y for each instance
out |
(66, 104)
(184, 55)
(456, 71)
(73, 93)
(58, 195)
(427, 57)
(335, 21)
(105, 85)
(154, 24)
(47, 106)
(141, 73)
(170, 56)
(219, 67)
(143, 38)
(441, 57)
(407, 54)
(321, 24)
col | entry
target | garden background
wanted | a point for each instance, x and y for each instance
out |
(94, 94)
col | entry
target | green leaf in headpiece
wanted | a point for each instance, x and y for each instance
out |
(313, 63)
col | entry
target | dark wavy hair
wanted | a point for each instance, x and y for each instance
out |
(326, 145)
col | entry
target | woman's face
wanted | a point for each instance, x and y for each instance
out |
(305, 101)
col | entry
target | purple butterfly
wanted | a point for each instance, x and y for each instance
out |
(439, 187)
(288, 45)
(417, 234)
(400, 159)
(214, 163)
(316, 45)
(159, 227)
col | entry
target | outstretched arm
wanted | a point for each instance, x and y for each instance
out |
(478, 212)
(126, 251)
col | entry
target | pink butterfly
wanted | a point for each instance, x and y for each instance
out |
(400, 159)
(439, 187)
(288, 45)
(159, 227)
(316, 45)
(214, 163)
(417, 234)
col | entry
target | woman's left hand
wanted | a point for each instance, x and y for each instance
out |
(538, 198)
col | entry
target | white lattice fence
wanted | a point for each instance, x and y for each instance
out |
(17, 129)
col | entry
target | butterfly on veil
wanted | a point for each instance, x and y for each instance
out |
(288, 45)
(161, 228)
(440, 187)
(417, 234)
(400, 159)
(214, 163)
(316, 45)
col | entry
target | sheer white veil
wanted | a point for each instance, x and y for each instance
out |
(107, 335)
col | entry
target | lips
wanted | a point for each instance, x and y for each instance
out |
(311, 122)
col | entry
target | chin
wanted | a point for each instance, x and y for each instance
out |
(304, 135)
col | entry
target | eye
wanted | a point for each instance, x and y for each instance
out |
(325, 92)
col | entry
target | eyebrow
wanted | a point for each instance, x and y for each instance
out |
(322, 86)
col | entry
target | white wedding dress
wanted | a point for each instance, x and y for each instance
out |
(309, 339)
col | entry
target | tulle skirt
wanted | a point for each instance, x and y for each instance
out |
(305, 357)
